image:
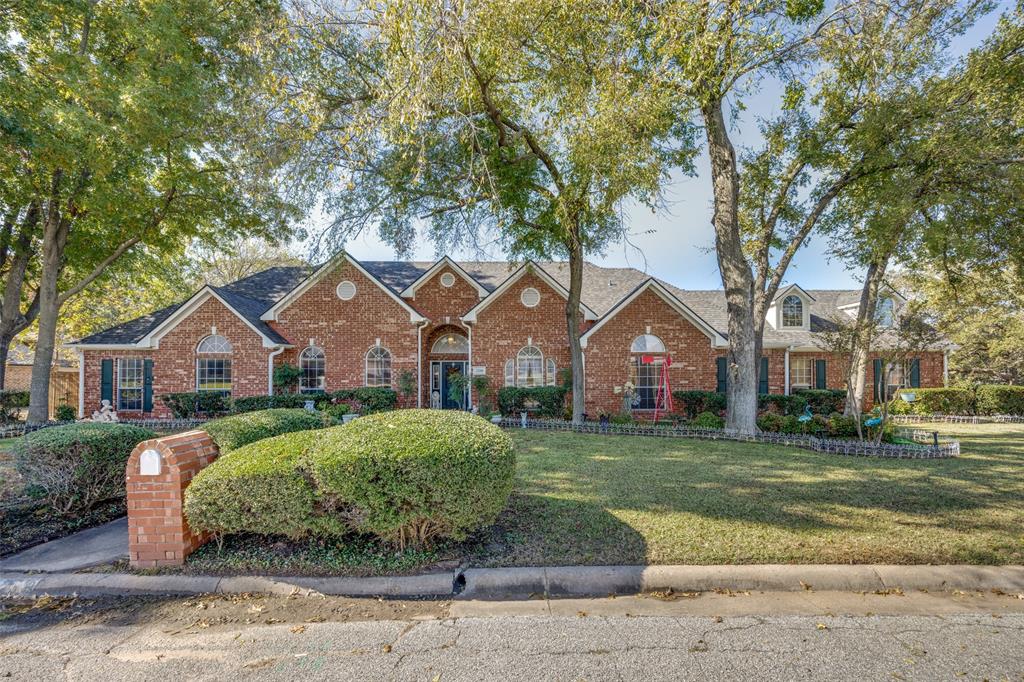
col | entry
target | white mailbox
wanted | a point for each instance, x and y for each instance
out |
(150, 463)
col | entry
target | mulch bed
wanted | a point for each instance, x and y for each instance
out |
(25, 523)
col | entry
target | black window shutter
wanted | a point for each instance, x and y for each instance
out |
(107, 380)
(820, 377)
(879, 387)
(723, 376)
(147, 385)
(915, 373)
(762, 376)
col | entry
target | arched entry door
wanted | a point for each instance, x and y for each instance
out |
(449, 364)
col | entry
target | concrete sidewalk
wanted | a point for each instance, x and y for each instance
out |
(553, 582)
(92, 547)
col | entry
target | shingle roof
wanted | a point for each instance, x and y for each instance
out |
(602, 289)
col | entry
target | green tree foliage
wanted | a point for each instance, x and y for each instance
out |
(128, 127)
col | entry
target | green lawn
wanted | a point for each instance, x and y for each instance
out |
(619, 500)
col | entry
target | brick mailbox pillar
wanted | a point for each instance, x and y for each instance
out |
(157, 474)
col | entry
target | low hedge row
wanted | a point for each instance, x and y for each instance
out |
(410, 477)
(365, 400)
(821, 401)
(10, 398)
(231, 433)
(78, 466)
(835, 425)
(986, 399)
(542, 401)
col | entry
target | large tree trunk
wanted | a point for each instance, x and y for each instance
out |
(17, 256)
(572, 319)
(737, 277)
(861, 347)
(55, 235)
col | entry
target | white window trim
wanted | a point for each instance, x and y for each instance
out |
(543, 366)
(120, 385)
(214, 356)
(337, 289)
(533, 291)
(302, 356)
(366, 367)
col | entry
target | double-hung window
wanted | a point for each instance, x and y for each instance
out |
(129, 384)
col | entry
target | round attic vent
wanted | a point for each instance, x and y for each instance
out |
(346, 290)
(447, 279)
(530, 297)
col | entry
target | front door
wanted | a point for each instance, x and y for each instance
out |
(441, 373)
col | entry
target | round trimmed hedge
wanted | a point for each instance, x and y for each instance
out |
(231, 433)
(410, 477)
(77, 466)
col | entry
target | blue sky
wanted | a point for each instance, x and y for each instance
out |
(677, 244)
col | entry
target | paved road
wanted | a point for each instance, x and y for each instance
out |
(623, 639)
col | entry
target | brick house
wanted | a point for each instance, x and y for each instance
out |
(348, 324)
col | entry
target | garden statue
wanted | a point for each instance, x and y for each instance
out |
(106, 413)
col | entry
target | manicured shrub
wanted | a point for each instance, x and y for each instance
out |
(75, 467)
(196, 404)
(414, 476)
(824, 401)
(264, 487)
(543, 401)
(269, 402)
(621, 419)
(65, 413)
(783, 404)
(708, 420)
(692, 403)
(230, 433)
(364, 400)
(841, 426)
(791, 425)
(770, 422)
(336, 410)
(13, 399)
(994, 399)
(938, 401)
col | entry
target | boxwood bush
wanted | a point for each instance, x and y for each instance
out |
(543, 401)
(413, 476)
(824, 400)
(937, 401)
(692, 403)
(708, 420)
(196, 404)
(78, 466)
(263, 487)
(994, 399)
(230, 433)
(268, 402)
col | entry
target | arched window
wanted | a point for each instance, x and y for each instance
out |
(378, 367)
(646, 361)
(552, 372)
(884, 312)
(510, 372)
(529, 367)
(451, 344)
(647, 343)
(313, 367)
(792, 311)
(213, 365)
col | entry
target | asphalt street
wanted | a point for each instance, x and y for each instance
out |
(657, 637)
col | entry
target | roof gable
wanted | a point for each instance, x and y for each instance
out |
(527, 267)
(229, 300)
(410, 291)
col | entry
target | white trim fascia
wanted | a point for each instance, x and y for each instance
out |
(301, 288)
(471, 316)
(152, 338)
(789, 287)
(106, 346)
(81, 384)
(717, 340)
(410, 291)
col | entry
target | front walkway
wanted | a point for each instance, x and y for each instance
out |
(92, 547)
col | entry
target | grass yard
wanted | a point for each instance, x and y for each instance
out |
(585, 499)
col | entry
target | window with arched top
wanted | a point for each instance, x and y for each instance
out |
(529, 367)
(885, 312)
(451, 344)
(312, 370)
(378, 367)
(552, 373)
(646, 361)
(792, 311)
(647, 343)
(510, 372)
(213, 365)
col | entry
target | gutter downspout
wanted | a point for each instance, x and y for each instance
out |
(469, 370)
(270, 368)
(419, 363)
(786, 366)
(81, 383)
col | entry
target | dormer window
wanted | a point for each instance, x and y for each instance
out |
(792, 312)
(885, 312)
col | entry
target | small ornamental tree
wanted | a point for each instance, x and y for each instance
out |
(896, 346)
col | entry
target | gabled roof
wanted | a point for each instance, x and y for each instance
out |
(299, 289)
(671, 299)
(787, 290)
(410, 291)
(527, 267)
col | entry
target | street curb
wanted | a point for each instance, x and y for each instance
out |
(528, 582)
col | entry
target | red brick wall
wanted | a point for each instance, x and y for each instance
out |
(174, 362)
(506, 325)
(835, 371)
(346, 330)
(608, 357)
(158, 534)
(437, 302)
